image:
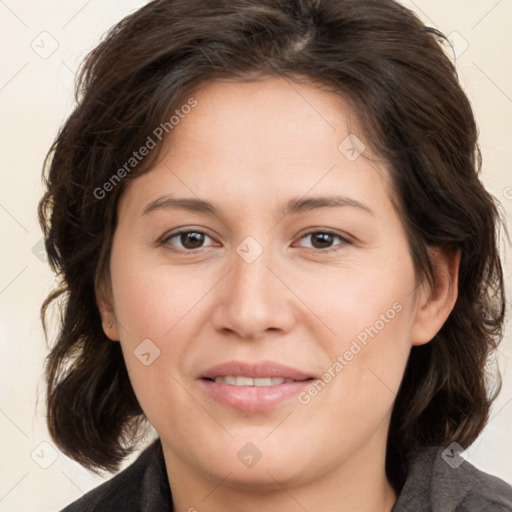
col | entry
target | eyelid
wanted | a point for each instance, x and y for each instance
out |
(164, 239)
(344, 237)
(320, 229)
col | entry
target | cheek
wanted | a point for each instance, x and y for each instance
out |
(364, 300)
(359, 386)
(157, 311)
(384, 344)
(370, 350)
(151, 309)
(369, 311)
(151, 300)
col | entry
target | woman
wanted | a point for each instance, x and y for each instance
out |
(276, 251)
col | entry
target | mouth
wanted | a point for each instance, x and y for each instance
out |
(253, 386)
(240, 380)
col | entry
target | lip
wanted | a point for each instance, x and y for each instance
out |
(263, 369)
(253, 398)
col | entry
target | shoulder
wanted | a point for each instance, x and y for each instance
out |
(440, 480)
(141, 486)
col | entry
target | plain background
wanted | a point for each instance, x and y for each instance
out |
(42, 46)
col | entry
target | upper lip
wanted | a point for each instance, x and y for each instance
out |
(255, 370)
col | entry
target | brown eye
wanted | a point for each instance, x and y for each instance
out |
(188, 240)
(323, 240)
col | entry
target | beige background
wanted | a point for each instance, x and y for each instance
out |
(42, 45)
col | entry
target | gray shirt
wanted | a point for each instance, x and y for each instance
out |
(443, 484)
(433, 484)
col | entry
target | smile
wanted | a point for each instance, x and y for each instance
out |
(240, 380)
(253, 386)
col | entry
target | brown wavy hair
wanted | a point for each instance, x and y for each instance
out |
(397, 77)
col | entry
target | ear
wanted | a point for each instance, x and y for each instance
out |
(434, 304)
(107, 313)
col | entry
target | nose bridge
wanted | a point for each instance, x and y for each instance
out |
(252, 281)
(251, 275)
(253, 299)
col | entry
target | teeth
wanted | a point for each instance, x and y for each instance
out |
(247, 381)
(267, 381)
(244, 381)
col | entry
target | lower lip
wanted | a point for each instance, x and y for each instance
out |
(253, 398)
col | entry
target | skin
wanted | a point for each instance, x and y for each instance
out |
(249, 148)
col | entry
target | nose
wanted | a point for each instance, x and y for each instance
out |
(254, 298)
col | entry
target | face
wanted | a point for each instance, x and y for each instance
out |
(269, 280)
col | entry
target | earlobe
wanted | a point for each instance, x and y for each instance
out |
(108, 318)
(435, 304)
(110, 329)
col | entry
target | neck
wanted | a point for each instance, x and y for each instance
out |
(358, 484)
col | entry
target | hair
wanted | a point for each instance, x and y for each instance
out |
(403, 87)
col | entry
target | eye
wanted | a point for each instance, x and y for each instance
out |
(189, 239)
(323, 240)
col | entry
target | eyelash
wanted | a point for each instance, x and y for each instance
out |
(166, 238)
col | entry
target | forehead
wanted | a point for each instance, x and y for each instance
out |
(273, 110)
(254, 141)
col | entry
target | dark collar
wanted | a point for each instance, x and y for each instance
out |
(432, 485)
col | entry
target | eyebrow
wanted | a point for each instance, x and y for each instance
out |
(293, 206)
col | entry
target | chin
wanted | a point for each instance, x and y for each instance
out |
(263, 476)
(258, 464)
